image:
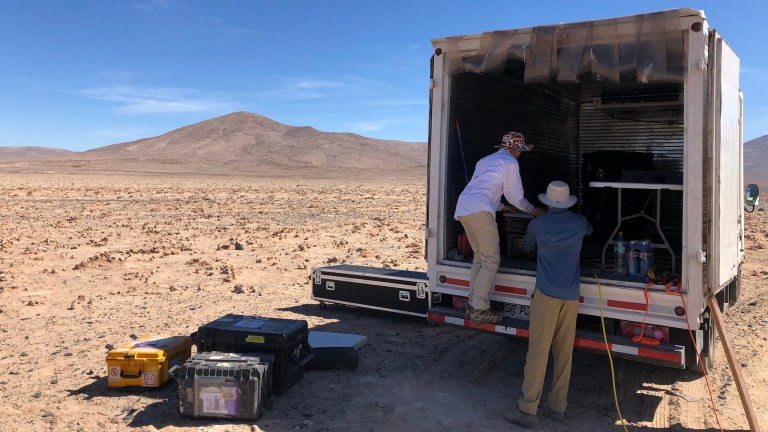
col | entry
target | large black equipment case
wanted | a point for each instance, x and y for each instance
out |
(286, 339)
(401, 291)
(224, 385)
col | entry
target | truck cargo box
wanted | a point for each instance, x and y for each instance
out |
(641, 116)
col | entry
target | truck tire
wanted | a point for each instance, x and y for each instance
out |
(707, 349)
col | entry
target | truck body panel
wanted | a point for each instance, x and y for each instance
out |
(651, 101)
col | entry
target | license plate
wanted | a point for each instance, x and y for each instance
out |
(516, 311)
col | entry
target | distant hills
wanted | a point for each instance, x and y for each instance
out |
(10, 153)
(756, 161)
(255, 140)
(249, 137)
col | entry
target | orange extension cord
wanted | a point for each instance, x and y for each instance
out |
(696, 349)
(670, 291)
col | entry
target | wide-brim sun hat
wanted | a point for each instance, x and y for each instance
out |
(558, 195)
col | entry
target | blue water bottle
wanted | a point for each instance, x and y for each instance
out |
(646, 257)
(620, 255)
(633, 258)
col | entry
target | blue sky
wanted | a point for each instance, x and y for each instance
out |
(84, 74)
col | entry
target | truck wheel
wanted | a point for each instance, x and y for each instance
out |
(707, 348)
(734, 289)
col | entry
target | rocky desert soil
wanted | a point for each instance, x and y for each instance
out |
(87, 260)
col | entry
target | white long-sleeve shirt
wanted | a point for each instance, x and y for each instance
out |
(495, 174)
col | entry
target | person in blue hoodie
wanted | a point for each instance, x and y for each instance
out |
(557, 238)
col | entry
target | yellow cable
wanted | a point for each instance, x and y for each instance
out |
(608, 350)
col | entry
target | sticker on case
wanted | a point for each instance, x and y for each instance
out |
(251, 322)
(150, 379)
(114, 373)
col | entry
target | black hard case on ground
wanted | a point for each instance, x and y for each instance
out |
(224, 385)
(286, 339)
(400, 291)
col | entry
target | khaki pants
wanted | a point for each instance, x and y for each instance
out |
(553, 325)
(483, 236)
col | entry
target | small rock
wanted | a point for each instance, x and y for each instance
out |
(55, 380)
(238, 289)
(37, 394)
(128, 410)
(90, 372)
(47, 414)
(67, 354)
(23, 354)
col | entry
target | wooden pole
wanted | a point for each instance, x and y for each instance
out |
(733, 362)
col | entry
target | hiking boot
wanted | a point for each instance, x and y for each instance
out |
(483, 316)
(555, 416)
(520, 418)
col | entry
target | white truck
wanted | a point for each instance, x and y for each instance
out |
(642, 117)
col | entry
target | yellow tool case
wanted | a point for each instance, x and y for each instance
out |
(145, 361)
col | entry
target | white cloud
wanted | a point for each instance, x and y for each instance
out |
(315, 84)
(155, 4)
(138, 100)
(367, 126)
(115, 77)
(413, 47)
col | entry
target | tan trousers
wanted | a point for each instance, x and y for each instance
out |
(553, 325)
(483, 235)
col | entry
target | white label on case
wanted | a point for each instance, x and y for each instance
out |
(216, 400)
(252, 323)
(150, 379)
(114, 373)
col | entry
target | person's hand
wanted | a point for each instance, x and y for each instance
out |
(537, 211)
(509, 209)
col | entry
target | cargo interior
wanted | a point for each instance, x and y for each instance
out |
(585, 127)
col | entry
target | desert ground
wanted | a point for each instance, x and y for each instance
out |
(86, 259)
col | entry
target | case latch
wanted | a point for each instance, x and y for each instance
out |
(421, 290)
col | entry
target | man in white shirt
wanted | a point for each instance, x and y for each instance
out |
(495, 175)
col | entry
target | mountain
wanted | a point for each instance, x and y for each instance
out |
(24, 153)
(756, 161)
(248, 137)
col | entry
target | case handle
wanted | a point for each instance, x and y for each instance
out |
(405, 296)
(130, 376)
(174, 372)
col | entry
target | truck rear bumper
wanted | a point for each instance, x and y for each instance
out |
(622, 347)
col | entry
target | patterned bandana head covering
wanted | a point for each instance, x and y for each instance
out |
(514, 141)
